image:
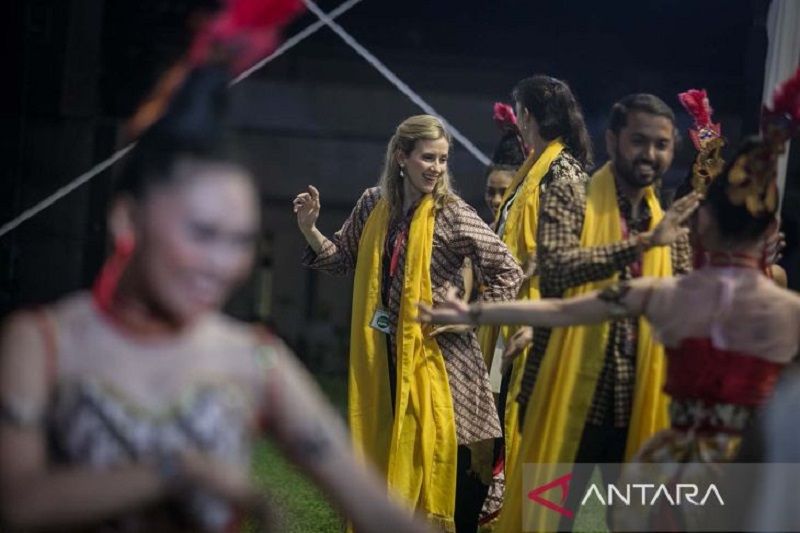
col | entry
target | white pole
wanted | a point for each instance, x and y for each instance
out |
(783, 55)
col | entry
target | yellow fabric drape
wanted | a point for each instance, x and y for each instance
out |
(416, 448)
(565, 386)
(519, 235)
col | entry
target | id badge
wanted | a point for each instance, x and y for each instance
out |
(380, 321)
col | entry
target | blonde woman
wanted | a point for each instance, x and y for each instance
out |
(420, 402)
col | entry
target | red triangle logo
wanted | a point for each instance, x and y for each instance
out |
(563, 483)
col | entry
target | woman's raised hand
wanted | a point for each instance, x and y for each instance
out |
(306, 207)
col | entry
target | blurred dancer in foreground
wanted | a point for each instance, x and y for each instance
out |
(134, 407)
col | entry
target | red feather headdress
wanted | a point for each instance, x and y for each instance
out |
(238, 36)
(696, 103)
(706, 137)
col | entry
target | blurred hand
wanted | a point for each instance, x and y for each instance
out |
(516, 345)
(224, 481)
(450, 329)
(452, 310)
(773, 247)
(306, 207)
(529, 269)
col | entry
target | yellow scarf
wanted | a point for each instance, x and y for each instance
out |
(565, 386)
(519, 235)
(416, 448)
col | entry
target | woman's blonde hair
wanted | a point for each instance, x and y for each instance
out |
(411, 130)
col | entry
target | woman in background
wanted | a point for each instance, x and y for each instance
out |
(508, 156)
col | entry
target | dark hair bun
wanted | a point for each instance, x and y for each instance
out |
(194, 125)
(734, 220)
(195, 118)
(508, 151)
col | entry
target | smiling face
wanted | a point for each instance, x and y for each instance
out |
(496, 184)
(195, 239)
(643, 150)
(424, 165)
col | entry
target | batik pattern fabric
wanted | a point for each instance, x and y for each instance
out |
(118, 402)
(459, 233)
(564, 264)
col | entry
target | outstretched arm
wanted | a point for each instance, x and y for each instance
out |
(617, 301)
(313, 436)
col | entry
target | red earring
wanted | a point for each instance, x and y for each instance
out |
(106, 283)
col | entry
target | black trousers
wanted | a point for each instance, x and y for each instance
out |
(470, 494)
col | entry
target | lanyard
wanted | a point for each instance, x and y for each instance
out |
(399, 243)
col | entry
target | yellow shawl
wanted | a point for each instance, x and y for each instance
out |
(416, 449)
(519, 235)
(557, 410)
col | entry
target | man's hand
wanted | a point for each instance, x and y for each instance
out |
(670, 228)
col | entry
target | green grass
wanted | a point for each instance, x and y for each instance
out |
(592, 518)
(302, 507)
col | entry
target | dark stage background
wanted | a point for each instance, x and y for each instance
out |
(321, 115)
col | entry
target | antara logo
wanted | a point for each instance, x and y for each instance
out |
(563, 483)
(649, 494)
(676, 494)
